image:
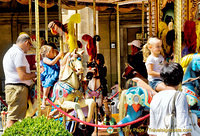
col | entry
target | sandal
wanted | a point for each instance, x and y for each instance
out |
(43, 107)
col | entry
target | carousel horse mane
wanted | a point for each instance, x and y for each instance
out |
(67, 29)
(167, 37)
(190, 36)
(91, 46)
(185, 61)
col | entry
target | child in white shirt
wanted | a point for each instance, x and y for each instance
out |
(154, 62)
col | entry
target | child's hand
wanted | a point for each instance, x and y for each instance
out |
(41, 69)
(60, 54)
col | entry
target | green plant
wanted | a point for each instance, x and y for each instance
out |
(39, 126)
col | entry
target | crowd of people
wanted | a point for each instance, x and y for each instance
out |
(162, 76)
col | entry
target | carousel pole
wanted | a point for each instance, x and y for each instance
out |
(61, 46)
(60, 19)
(158, 16)
(118, 52)
(94, 27)
(150, 19)
(46, 21)
(142, 22)
(177, 26)
(159, 13)
(94, 16)
(38, 55)
(76, 5)
(30, 17)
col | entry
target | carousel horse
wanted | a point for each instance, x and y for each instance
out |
(67, 30)
(191, 80)
(136, 98)
(133, 101)
(66, 92)
(94, 85)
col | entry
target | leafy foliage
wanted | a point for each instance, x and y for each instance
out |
(39, 126)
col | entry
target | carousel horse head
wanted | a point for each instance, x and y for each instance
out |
(66, 30)
(92, 70)
(131, 72)
(57, 27)
(75, 61)
(196, 64)
(73, 64)
(132, 101)
(137, 97)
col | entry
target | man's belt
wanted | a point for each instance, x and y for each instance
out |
(22, 84)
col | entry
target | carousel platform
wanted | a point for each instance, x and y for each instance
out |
(103, 132)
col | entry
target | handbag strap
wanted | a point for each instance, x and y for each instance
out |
(173, 103)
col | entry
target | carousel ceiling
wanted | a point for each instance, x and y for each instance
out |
(101, 5)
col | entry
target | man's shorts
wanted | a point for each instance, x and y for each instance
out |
(155, 83)
(16, 98)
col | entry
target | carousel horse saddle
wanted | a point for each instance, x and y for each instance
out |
(95, 93)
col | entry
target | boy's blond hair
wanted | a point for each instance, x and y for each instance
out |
(44, 50)
(151, 42)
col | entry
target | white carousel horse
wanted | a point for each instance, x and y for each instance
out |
(65, 91)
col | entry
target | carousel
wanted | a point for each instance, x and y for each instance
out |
(77, 99)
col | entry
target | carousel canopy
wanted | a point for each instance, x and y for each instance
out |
(101, 5)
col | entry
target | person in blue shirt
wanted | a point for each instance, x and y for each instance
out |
(50, 70)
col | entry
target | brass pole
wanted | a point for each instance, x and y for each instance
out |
(60, 19)
(64, 118)
(30, 17)
(76, 23)
(188, 9)
(94, 15)
(118, 53)
(38, 55)
(61, 44)
(46, 21)
(143, 22)
(150, 19)
(94, 19)
(177, 26)
(157, 15)
(76, 4)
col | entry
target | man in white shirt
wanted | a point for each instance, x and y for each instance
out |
(161, 104)
(17, 79)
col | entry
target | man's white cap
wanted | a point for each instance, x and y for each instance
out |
(136, 43)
